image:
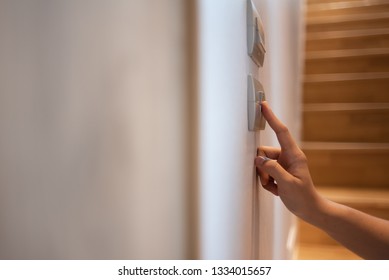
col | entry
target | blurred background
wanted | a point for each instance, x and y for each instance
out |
(93, 129)
(124, 125)
(345, 115)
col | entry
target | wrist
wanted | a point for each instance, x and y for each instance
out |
(318, 210)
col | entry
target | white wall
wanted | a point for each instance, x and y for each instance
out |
(284, 27)
(94, 143)
(227, 149)
(229, 194)
(92, 121)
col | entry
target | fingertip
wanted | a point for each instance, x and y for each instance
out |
(264, 180)
(264, 105)
(260, 160)
(268, 113)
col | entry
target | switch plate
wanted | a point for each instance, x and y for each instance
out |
(255, 95)
(255, 35)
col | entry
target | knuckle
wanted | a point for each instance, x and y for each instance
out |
(303, 158)
(289, 181)
(283, 129)
(271, 164)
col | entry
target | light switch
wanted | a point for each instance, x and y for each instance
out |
(255, 95)
(255, 35)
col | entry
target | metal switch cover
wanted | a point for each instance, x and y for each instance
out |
(255, 35)
(255, 95)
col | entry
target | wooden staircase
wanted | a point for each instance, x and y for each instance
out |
(346, 112)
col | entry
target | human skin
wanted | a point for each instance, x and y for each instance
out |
(284, 172)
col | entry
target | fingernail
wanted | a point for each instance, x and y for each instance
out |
(261, 160)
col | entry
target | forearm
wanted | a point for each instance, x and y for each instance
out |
(363, 234)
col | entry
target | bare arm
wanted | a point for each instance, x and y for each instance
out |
(285, 173)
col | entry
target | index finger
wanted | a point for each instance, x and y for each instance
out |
(283, 135)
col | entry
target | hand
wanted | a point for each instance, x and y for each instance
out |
(284, 172)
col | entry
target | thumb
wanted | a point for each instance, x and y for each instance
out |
(274, 169)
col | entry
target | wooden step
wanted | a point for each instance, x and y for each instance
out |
(346, 88)
(320, 252)
(348, 164)
(347, 61)
(369, 200)
(346, 8)
(352, 39)
(349, 22)
(346, 122)
(309, 234)
(313, 2)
